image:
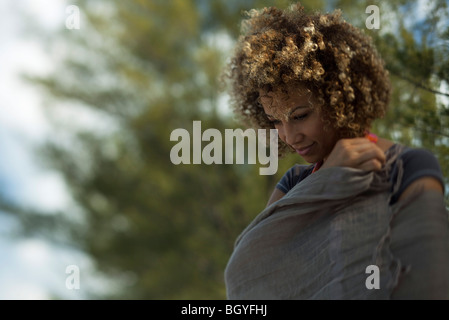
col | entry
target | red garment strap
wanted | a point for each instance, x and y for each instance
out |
(317, 166)
(371, 137)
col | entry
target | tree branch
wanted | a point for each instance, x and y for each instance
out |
(417, 84)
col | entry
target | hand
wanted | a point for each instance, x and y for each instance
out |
(359, 153)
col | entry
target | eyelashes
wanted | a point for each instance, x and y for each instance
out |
(295, 118)
(301, 117)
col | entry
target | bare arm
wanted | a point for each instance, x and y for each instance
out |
(424, 183)
(275, 196)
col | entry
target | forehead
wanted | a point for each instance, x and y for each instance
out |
(279, 102)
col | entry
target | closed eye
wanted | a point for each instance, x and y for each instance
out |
(301, 117)
(298, 118)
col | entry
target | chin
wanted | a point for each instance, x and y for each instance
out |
(309, 159)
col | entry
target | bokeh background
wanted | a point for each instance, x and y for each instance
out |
(85, 122)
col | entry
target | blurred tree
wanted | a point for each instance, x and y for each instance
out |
(415, 46)
(413, 40)
(144, 68)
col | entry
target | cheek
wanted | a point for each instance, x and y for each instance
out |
(314, 129)
(328, 140)
(281, 132)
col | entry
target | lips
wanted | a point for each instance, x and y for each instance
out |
(304, 151)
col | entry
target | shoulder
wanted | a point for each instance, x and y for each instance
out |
(292, 176)
(417, 154)
(420, 162)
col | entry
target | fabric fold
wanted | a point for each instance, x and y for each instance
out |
(318, 241)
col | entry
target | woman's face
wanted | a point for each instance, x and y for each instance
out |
(296, 115)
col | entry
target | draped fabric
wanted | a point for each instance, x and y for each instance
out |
(321, 239)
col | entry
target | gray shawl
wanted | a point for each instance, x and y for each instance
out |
(321, 239)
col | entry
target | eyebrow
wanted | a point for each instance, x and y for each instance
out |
(291, 112)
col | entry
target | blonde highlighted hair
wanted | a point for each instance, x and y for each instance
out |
(333, 59)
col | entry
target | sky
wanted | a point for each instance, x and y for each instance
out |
(32, 268)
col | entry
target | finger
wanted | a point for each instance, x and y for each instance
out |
(371, 165)
(353, 141)
(355, 144)
(366, 146)
(372, 153)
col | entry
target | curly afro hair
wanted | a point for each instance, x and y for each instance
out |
(333, 59)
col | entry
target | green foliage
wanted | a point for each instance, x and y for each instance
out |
(145, 68)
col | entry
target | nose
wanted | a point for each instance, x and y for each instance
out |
(290, 133)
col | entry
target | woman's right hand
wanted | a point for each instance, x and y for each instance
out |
(359, 153)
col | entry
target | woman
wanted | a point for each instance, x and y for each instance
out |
(364, 203)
